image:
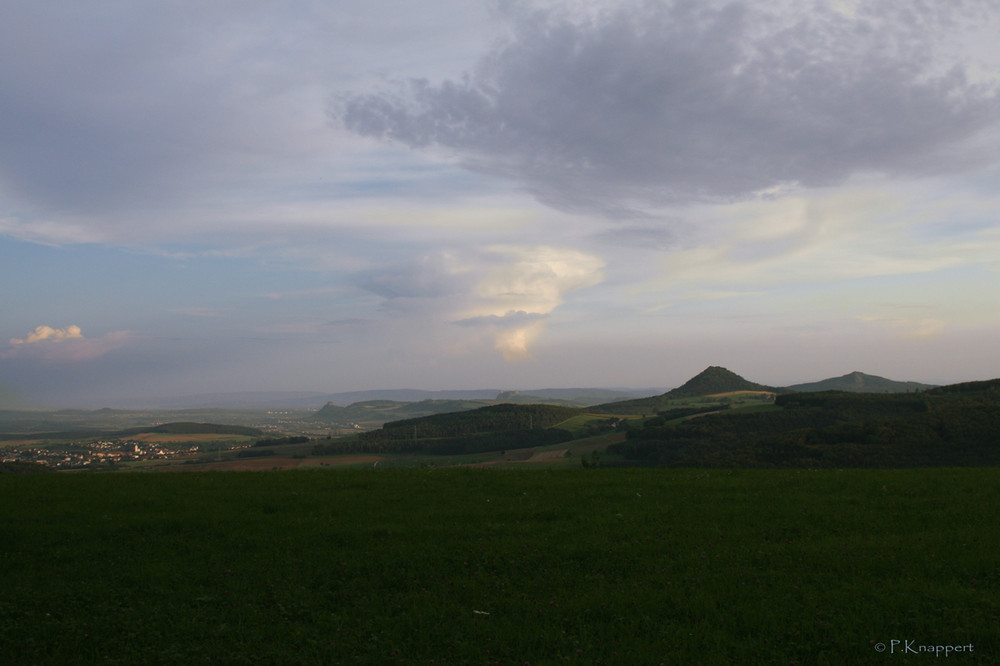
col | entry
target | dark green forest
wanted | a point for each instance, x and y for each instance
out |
(190, 428)
(956, 425)
(492, 428)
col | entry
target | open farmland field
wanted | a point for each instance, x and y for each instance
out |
(483, 566)
(729, 394)
(579, 424)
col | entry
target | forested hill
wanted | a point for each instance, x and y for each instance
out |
(948, 426)
(381, 411)
(860, 382)
(491, 428)
(713, 380)
(175, 428)
(377, 412)
(988, 390)
(191, 428)
(494, 418)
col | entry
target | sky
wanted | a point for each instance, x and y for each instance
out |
(201, 197)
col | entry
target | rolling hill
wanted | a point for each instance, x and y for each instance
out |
(191, 428)
(859, 382)
(579, 397)
(490, 428)
(713, 380)
(377, 412)
(716, 380)
(946, 426)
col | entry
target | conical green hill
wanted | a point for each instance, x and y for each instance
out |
(713, 380)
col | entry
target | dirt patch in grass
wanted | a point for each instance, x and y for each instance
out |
(23, 442)
(547, 456)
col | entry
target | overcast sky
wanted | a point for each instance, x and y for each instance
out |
(228, 196)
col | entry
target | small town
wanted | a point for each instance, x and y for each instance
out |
(95, 455)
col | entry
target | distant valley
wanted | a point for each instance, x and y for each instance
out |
(584, 397)
(315, 399)
(716, 418)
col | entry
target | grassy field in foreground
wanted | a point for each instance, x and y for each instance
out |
(476, 566)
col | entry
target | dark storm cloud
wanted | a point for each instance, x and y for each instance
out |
(657, 103)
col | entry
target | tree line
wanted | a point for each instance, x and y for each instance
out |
(939, 427)
(492, 428)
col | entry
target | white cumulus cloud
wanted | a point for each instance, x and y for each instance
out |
(42, 333)
(509, 290)
(50, 344)
(517, 294)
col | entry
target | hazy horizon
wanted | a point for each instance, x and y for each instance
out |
(311, 399)
(205, 198)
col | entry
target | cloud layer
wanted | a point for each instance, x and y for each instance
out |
(124, 122)
(509, 290)
(651, 103)
(302, 195)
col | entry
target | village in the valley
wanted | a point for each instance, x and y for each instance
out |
(96, 454)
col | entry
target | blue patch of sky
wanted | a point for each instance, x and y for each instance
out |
(108, 288)
(421, 179)
(962, 225)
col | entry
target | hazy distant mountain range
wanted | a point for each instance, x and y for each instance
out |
(714, 379)
(316, 399)
(381, 410)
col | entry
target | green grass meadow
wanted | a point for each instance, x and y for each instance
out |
(497, 566)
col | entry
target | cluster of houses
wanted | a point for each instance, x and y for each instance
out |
(94, 454)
